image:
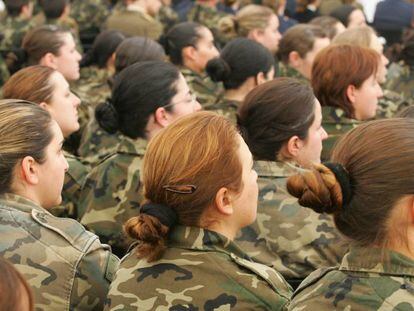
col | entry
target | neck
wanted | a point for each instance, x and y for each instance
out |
(192, 66)
(224, 230)
(236, 95)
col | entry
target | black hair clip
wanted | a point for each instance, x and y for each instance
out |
(182, 189)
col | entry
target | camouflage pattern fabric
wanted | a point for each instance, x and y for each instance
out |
(65, 265)
(13, 29)
(293, 239)
(401, 80)
(89, 14)
(199, 270)
(203, 87)
(287, 71)
(168, 17)
(112, 194)
(335, 124)
(367, 279)
(97, 144)
(226, 107)
(4, 71)
(391, 103)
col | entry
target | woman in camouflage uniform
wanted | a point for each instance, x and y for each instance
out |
(65, 265)
(48, 88)
(281, 121)
(369, 189)
(146, 97)
(200, 190)
(243, 64)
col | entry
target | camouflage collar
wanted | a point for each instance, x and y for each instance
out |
(187, 72)
(287, 71)
(18, 202)
(132, 146)
(94, 74)
(274, 169)
(336, 115)
(196, 238)
(376, 260)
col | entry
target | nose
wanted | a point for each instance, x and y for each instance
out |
(324, 134)
(385, 60)
(76, 101)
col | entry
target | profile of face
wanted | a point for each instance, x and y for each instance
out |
(382, 68)
(365, 98)
(68, 58)
(309, 150)
(51, 173)
(305, 64)
(270, 36)
(63, 106)
(340, 28)
(204, 49)
(356, 19)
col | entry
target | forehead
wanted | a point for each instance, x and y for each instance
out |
(205, 34)
(273, 22)
(58, 80)
(68, 41)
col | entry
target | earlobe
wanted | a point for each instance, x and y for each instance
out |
(350, 93)
(161, 117)
(294, 59)
(29, 172)
(44, 106)
(224, 202)
(293, 146)
(189, 53)
(48, 60)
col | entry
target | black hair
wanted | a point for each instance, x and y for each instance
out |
(102, 49)
(138, 91)
(53, 8)
(179, 37)
(14, 7)
(240, 59)
(343, 12)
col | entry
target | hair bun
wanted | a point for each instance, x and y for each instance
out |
(218, 69)
(164, 42)
(107, 116)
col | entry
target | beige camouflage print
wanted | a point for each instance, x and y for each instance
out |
(226, 107)
(287, 71)
(390, 104)
(200, 270)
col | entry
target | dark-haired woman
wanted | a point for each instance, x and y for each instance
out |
(146, 97)
(190, 46)
(200, 190)
(242, 65)
(369, 191)
(281, 122)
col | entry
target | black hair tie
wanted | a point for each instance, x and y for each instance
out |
(166, 215)
(344, 181)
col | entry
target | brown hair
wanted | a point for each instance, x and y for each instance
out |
(381, 173)
(25, 131)
(407, 112)
(360, 36)
(328, 24)
(11, 286)
(272, 113)
(31, 84)
(300, 38)
(200, 150)
(247, 19)
(339, 66)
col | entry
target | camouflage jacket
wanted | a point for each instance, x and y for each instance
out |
(226, 107)
(293, 239)
(367, 279)
(65, 265)
(97, 144)
(168, 17)
(335, 124)
(391, 103)
(401, 80)
(89, 14)
(203, 87)
(112, 193)
(287, 71)
(13, 29)
(199, 270)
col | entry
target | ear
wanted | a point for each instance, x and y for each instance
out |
(49, 60)
(190, 53)
(293, 146)
(255, 35)
(351, 93)
(224, 202)
(294, 59)
(260, 78)
(29, 170)
(161, 117)
(44, 106)
(66, 11)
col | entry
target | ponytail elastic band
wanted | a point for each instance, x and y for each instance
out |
(344, 180)
(166, 215)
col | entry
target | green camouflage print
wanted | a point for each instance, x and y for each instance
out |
(89, 14)
(65, 265)
(97, 144)
(390, 104)
(112, 194)
(168, 17)
(401, 80)
(367, 279)
(226, 107)
(293, 239)
(287, 71)
(4, 71)
(199, 270)
(13, 29)
(335, 124)
(203, 87)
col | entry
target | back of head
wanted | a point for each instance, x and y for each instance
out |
(360, 36)
(137, 49)
(407, 112)
(364, 183)
(272, 113)
(14, 7)
(179, 37)
(31, 83)
(407, 51)
(184, 167)
(103, 48)
(239, 60)
(24, 131)
(54, 8)
(299, 38)
(247, 19)
(342, 13)
(328, 24)
(138, 91)
(339, 66)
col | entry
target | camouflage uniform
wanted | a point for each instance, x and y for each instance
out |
(97, 144)
(390, 104)
(293, 239)
(89, 14)
(226, 107)
(4, 71)
(335, 124)
(112, 193)
(13, 29)
(199, 270)
(203, 87)
(65, 265)
(367, 279)
(401, 80)
(168, 17)
(287, 71)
